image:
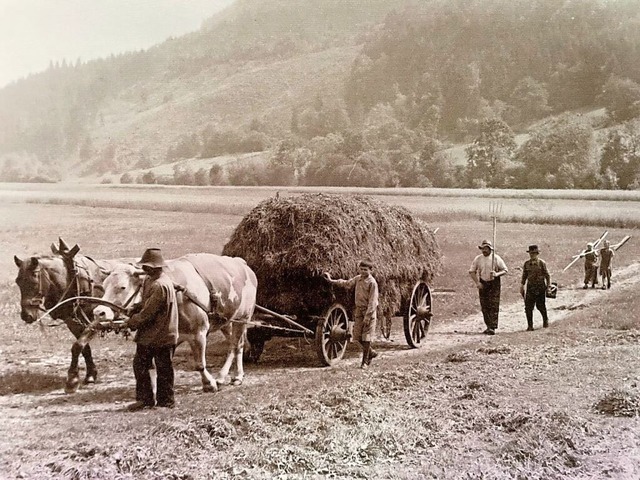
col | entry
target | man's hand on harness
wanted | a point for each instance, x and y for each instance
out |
(133, 309)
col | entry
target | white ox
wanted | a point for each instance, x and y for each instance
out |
(225, 286)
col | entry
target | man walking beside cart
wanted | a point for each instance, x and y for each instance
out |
(486, 270)
(366, 300)
(157, 334)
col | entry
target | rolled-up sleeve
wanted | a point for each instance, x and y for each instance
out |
(346, 283)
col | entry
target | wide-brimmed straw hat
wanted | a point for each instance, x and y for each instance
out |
(533, 249)
(485, 243)
(152, 257)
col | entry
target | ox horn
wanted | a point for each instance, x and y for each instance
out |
(63, 245)
(18, 261)
(54, 249)
(74, 251)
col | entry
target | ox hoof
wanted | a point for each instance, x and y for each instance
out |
(209, 388)
(236, 381)
(90, 379)
(72, 385)
(223, 381)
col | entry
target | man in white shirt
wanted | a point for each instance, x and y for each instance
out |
(486, 270)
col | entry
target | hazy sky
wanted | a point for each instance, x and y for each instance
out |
(34, 32)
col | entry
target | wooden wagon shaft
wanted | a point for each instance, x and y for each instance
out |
(283, 318)
(272, 327)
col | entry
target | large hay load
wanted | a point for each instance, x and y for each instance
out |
(289, 242)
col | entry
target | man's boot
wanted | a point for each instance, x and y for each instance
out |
(545, 322)
(530, 323)
(366, 350)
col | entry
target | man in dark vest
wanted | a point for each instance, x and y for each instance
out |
(157, 334)
(535, 276)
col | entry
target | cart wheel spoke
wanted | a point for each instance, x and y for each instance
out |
(331, 341)
(418, 314)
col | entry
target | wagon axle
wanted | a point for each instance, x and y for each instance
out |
(423, 312)
(338, 334)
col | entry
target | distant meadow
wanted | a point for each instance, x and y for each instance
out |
(606, 208)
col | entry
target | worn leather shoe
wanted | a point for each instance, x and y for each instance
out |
(491, 331)
(137, 406)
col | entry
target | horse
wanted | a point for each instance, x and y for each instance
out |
(47, 280)
(213, 293)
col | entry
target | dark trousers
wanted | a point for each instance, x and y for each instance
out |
(143, 363)
(490, 302)
(590, 274)
(535, 299)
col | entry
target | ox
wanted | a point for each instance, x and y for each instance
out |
(214, 293)
(47, 280)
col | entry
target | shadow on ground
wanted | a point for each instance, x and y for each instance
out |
(25, 381)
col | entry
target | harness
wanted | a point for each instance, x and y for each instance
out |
(78, 276)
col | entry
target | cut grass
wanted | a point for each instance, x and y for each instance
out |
(521, 407)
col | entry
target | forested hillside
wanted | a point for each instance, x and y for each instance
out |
(355, 93)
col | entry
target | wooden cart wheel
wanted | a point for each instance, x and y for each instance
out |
(331, 334)
(418, 315)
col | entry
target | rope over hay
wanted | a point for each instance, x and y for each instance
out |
(290, 241)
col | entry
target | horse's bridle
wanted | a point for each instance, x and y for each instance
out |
(39, 299)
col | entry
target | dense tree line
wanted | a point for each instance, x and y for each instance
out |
(561, 152)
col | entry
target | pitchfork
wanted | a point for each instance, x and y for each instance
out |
(495, 210)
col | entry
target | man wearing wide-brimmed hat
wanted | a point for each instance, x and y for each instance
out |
(157, 334)
(535, 276)
(486, 270)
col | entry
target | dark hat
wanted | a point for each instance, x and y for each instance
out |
(485, 243)
(533, 249)
(152, 257)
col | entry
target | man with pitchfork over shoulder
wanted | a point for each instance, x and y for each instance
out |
(486, 270)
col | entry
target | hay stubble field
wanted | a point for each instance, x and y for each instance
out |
(464, 406)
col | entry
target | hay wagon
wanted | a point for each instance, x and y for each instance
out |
(329, 329)
(289, 242)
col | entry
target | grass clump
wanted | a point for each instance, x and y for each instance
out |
(619, 403)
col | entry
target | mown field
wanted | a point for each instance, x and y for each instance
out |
(567, 207)
(561, 403)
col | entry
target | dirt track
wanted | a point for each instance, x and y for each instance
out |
(114, 355)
